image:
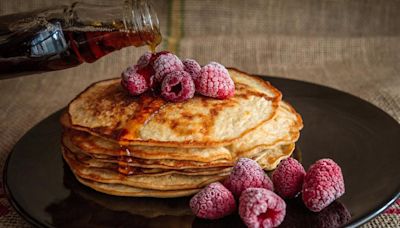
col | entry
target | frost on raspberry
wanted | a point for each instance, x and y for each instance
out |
(245, 174)
(213, 202)
(192, 67)
(134, 82)
(214, 81)
(177, 86)
(259, 207)
(288, 178)
(144, 60)
(165, 64)
(322, 185)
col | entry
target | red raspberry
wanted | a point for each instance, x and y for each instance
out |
(213, 202)
(155, 56)
(177, 86)
(247, 173)
(134, 82)
(165, 64)
(323, 184)
(214, 81)
(192, 67)
(144, 60)
(259, 207)
(288, 178)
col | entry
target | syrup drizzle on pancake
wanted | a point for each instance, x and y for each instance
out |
(148, 106)
(123, 160)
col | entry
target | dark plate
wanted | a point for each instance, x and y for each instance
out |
(361, 138)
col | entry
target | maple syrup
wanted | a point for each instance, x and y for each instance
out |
(123, 162)
(148, 106)
(65, 37)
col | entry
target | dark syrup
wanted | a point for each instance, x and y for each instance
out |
(48, 47)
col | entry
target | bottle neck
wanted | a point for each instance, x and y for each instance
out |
(131, 16)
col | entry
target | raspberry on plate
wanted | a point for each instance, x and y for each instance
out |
(133, 81)
(247, 173)
(259, 207)
(288, 178)
(213, 202)
(322, 185)
(177, 86)
(214, 81)
(192, 67)
(165, 64)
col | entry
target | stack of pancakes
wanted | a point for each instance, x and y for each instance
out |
(145, 146)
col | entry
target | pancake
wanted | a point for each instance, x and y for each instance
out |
(113, 163)
(172, 181)
(284, 127)
(156, 163)
(124, 190)
(167, 182)
(106, 109)
(98, 145)
(272, 157)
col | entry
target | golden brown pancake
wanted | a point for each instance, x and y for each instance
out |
(125, 190)
(284, 127)
(114, 163)
(107, 110)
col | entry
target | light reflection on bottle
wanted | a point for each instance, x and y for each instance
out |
(48, 41)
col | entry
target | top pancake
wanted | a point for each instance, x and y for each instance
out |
(106, 109)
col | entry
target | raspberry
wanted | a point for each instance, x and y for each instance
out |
(134, 82)
(165, 64)
(192, 67)
(247, 174)
(213, 202)
(155, 56)
(322, 185)
(259, 207)
(177, 86)
(214, 81)
(144, 60)
(288, 178)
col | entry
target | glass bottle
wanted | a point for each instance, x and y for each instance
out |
(66, 36)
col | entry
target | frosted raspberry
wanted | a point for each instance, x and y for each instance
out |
(177, 86)
(247, 173)
(192, 67)
(259, 207)
(144, 60)
(134, 82)
(322, 185)
(288, 178)
(165, 64)
(214, 81)
(213, 202)
(155, 56)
